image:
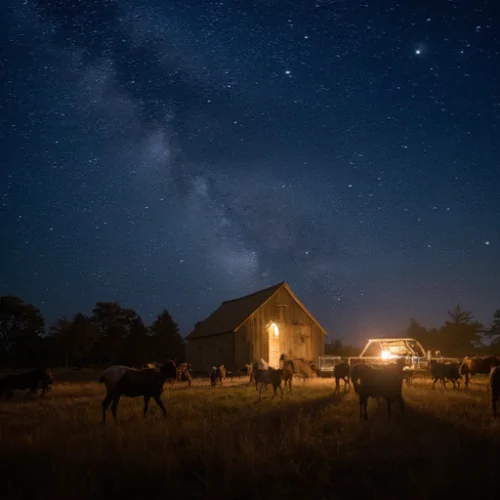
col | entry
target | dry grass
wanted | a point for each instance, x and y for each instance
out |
(219, 443)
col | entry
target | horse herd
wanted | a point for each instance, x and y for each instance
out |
(386, 381)
(379, 382)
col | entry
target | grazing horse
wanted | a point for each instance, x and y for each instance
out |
(342, 371)
(26, 380)
(474, 365)
(131, 382)
(288, 369)
(494, 379)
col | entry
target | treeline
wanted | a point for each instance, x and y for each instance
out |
(111, 334)
(459, 336)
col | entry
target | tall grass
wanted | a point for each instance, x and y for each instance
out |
(220, 443)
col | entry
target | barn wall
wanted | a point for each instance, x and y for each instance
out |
(299, 335)
(203, 353)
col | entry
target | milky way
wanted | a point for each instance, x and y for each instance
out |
(169, 154)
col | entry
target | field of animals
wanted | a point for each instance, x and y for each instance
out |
(219, 441)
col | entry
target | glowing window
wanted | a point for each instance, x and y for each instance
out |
(275, 330)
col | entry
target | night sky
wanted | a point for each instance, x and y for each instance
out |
(175, 154)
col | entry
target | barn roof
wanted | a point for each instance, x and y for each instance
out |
(231, 314)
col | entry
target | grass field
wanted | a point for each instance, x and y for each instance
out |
(220, 443)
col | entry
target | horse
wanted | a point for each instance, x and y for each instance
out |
(271, 376)
(218, 373)
(444, 371)
(288, 369)
(494, 382)
(26, 380)
(183, 373)
(473, 365)
(378, 382)
(342, 371)
(132, 382)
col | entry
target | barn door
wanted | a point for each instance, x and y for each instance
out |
(274, 345)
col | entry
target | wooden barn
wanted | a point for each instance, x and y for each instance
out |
(264, 324)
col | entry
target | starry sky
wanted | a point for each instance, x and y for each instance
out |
(175, 154)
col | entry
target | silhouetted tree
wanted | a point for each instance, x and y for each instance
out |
(112, 323)
(59, 332)
(167, 341)
(336, 348)
(138, 345)
(21, 329)
(493, 333)
(75, 338)
(461, 335)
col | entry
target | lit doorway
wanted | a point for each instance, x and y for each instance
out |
(274, 345)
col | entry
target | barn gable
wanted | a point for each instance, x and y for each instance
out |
(232, 314)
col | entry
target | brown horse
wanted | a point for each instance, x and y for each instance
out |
(474, 365)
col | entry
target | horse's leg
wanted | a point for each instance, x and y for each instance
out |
(114, 406)
(105, 404)
(466, 380)
(146, 405)
(389, 403)
(434, 383)
(365, 408)
(159, 402)
(402, 404)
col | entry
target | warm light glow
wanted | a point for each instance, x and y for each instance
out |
(387, 355)
(275, 330)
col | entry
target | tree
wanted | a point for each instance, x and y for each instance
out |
(494, 333)
(59, 331)
(21, 328)
(459, 316)
(112, 323)
(167, 340)
(75, 337)
(461, 335)
(138, 346)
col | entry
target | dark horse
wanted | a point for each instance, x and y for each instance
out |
(130, 382)
(473, 365)
(342, 371)
(26, 380)
(288, 371)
